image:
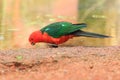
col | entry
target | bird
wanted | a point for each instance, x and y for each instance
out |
(59, 32)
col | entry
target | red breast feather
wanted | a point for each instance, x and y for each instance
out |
(48, 39)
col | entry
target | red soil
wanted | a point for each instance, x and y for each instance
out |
(63, 63)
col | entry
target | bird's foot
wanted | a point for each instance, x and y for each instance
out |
(53, 46)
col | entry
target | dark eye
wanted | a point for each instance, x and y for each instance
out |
(31, 39)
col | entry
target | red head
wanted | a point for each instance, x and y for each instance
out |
(35, 37)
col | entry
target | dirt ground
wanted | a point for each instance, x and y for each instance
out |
(63, 63)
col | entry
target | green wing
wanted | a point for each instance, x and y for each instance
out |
(59, 29)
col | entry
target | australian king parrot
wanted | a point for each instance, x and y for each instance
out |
(60, 32)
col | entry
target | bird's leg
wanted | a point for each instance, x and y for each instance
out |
(53, 46)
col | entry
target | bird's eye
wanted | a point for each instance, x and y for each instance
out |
(31, 39)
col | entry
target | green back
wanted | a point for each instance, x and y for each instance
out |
(59, 29)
